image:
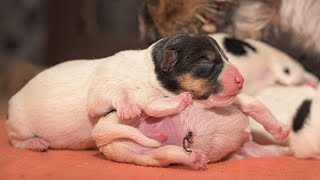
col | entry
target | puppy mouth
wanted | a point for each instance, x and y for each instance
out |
(219, 100)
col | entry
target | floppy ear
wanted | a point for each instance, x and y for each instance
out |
(170, 58)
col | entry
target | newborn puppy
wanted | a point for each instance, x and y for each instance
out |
(59, 107)
(262, 65)
(193, 137)
(298, 107)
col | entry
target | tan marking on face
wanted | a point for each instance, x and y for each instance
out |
(196, 86)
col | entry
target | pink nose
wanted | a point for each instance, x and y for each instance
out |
(239, 80)
(237, 77)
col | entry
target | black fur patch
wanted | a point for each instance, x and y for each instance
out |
(237, 46)
(301, 115)
(193, 58)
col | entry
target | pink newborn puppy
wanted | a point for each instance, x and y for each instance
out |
(193, 137)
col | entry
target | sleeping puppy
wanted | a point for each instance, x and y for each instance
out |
(194, 137)
(262, 65)
(59, 107)
(298, 107)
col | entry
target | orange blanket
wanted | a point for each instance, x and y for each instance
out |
(54, 164)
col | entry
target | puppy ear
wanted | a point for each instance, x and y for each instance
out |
(170, 58)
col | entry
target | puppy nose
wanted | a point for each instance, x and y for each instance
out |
(238, 78)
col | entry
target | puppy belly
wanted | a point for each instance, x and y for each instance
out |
(168, 130)
(216, 132)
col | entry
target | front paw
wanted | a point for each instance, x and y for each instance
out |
(185, 99)
(199, 160)
(281, 133)
(128, 110)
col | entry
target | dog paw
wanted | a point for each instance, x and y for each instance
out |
(185, 99)
(281, 133)
(37, 144)
(199, 160)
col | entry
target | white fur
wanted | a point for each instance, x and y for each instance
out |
(54, 105)
(264, 68)
(284, 102)
(62, 104)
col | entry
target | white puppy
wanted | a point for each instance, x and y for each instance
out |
(59, 107)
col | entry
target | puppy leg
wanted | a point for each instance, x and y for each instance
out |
(22, 137)
(161, 107)
(108, 129)
(254, 108)
(102, 100)
(252, 149)
(130, 152)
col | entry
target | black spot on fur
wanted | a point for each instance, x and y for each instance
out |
(301, 115)
(192, 57)
(236, 46)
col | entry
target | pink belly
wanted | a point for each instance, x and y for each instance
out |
(168, 130)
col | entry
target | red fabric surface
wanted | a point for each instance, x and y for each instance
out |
(54, 164)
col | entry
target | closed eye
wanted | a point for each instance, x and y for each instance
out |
(206, 62)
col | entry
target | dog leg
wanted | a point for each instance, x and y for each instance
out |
(108, 129)
(130, 152)
(254, 108)
(22, 137)
(100, 102)
(161, 107)
(252, 149)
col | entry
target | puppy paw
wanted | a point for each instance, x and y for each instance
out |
(37, 144)
(281, 133)
(128, 110)
(185, 99)
(199, 160)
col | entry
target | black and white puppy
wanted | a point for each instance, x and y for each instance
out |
(59, 107)
(262, 65)
(297, 107)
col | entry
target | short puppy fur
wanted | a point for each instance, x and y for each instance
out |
(262, 65)
(59, 107)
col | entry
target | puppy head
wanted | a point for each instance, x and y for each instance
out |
(289, 72)
(195, 63)
(259, 62)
